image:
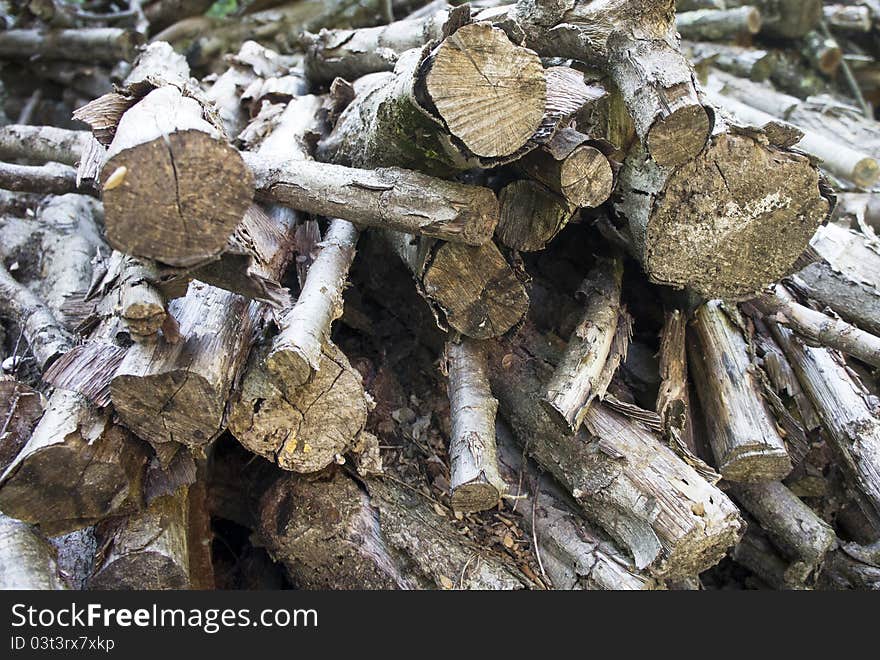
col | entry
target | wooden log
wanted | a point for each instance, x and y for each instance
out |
(754, 194)
(389, 198)
(803, 537)
(531, 215)
(848, 18)
(148, 550)
(844, 571)
(27, 561)
(752, 63)
(757, 554)
(165, 156)
(823, 52)
(162, 13)
(638, 47)
(297, 351)
(390, 124)
(674, 396)
(46, 337)
(573, 166)
(177, 392)
(846, 279)
(77, 468)
(786, 19)
(329, 532)
(574, 554)
(655, 506)
(51, 178)
(821, 328)
(848, 414)
(486, 303)
(475, 482)
(41, 144)
(101, 44)
(582, 375)
(142, 305)
(742, 433)
(350, 54)
(718, 24)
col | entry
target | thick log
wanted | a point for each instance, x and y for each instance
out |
(27, 561)
(848, 413)
(574, 554)
(329, 532)
(846, 279)
(485, 303)
(474, 481)
(177, 392)
(148, 550)
(77, 468)
(531, 215)
(787, 19)
(573, 166)
(821, 328)
(718, 24)
(388, 198)
(727, 223)
(581, 375)
(442, 111)
(167, 157)
(301, 428)
(625, 479)
(742, 432)
(803, 537)
(101, 44)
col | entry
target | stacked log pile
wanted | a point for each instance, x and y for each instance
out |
(417, 295)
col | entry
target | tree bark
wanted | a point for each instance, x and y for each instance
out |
(474, 481)
(27, 561)
(21, 407)
(755, 64)
(42, 144)
(659, 509)
(329, 532)
(581, 375)
(742, 432)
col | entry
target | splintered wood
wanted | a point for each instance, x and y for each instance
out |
(370, 294)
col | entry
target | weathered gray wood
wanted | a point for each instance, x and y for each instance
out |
(27, 561)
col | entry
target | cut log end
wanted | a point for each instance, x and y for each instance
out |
(142, 571)
(531, 215)
(756, 462)
(490, 92)
(475, 496)
(680, 136)
(754, 211)
(587, 177)
(486, 304)
(178, 179)
(866, 172)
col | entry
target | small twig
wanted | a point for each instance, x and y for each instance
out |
(850, 78)
(535, 534)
